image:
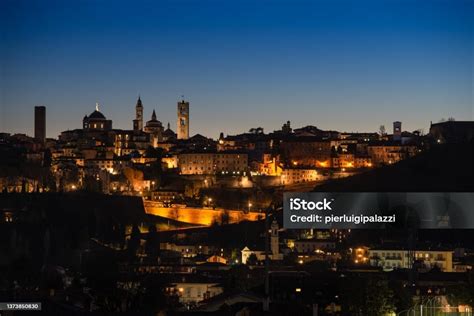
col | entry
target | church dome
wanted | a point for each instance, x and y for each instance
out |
(97, 115)
(154, 122)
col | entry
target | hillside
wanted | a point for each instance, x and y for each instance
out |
(443, 168)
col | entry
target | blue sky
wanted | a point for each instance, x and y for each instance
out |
(340, 65)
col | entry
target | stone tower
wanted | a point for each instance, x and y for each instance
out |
(40, 123)
(274, 239)
(397, 131)
(138, 121)
(183, 119)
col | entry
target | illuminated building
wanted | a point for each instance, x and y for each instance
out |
(311, 245)
(96, 121)
(192, 293)
(155, 129)
(229, 163)
(390, 153)
(226, 143)
(350, 161)
(170, 162)
(390, 259)
(166, 197)
(270, 166)
(127, 142)
(298, 175)
(274, 247)
(274, 239)
(306, 151)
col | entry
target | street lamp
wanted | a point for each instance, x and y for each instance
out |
(249, 205)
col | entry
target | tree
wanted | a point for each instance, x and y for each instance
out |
(367, 296)
(153, 242)
(258, 130)
(460, 295)
(152, 152)
(134, 241)
(252, 260)
(151, 295)
(47, 160)
(91, 184)
(225, 217)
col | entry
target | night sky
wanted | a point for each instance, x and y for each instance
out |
(339, 65)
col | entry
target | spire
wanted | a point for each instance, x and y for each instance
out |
(153, 116)
(97, 106)
(139, 102)
(168, 125)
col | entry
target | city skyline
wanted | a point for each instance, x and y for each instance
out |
(237, 157)
(173, 125)
(343, 66)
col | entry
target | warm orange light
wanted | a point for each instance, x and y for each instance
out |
(323, 163)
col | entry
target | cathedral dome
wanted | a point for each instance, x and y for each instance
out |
(154, 122)
(97, 115)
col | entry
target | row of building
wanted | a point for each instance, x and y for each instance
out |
(289, 155)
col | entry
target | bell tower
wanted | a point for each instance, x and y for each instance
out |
(274, 241)
(138, 121)
(183, 119)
